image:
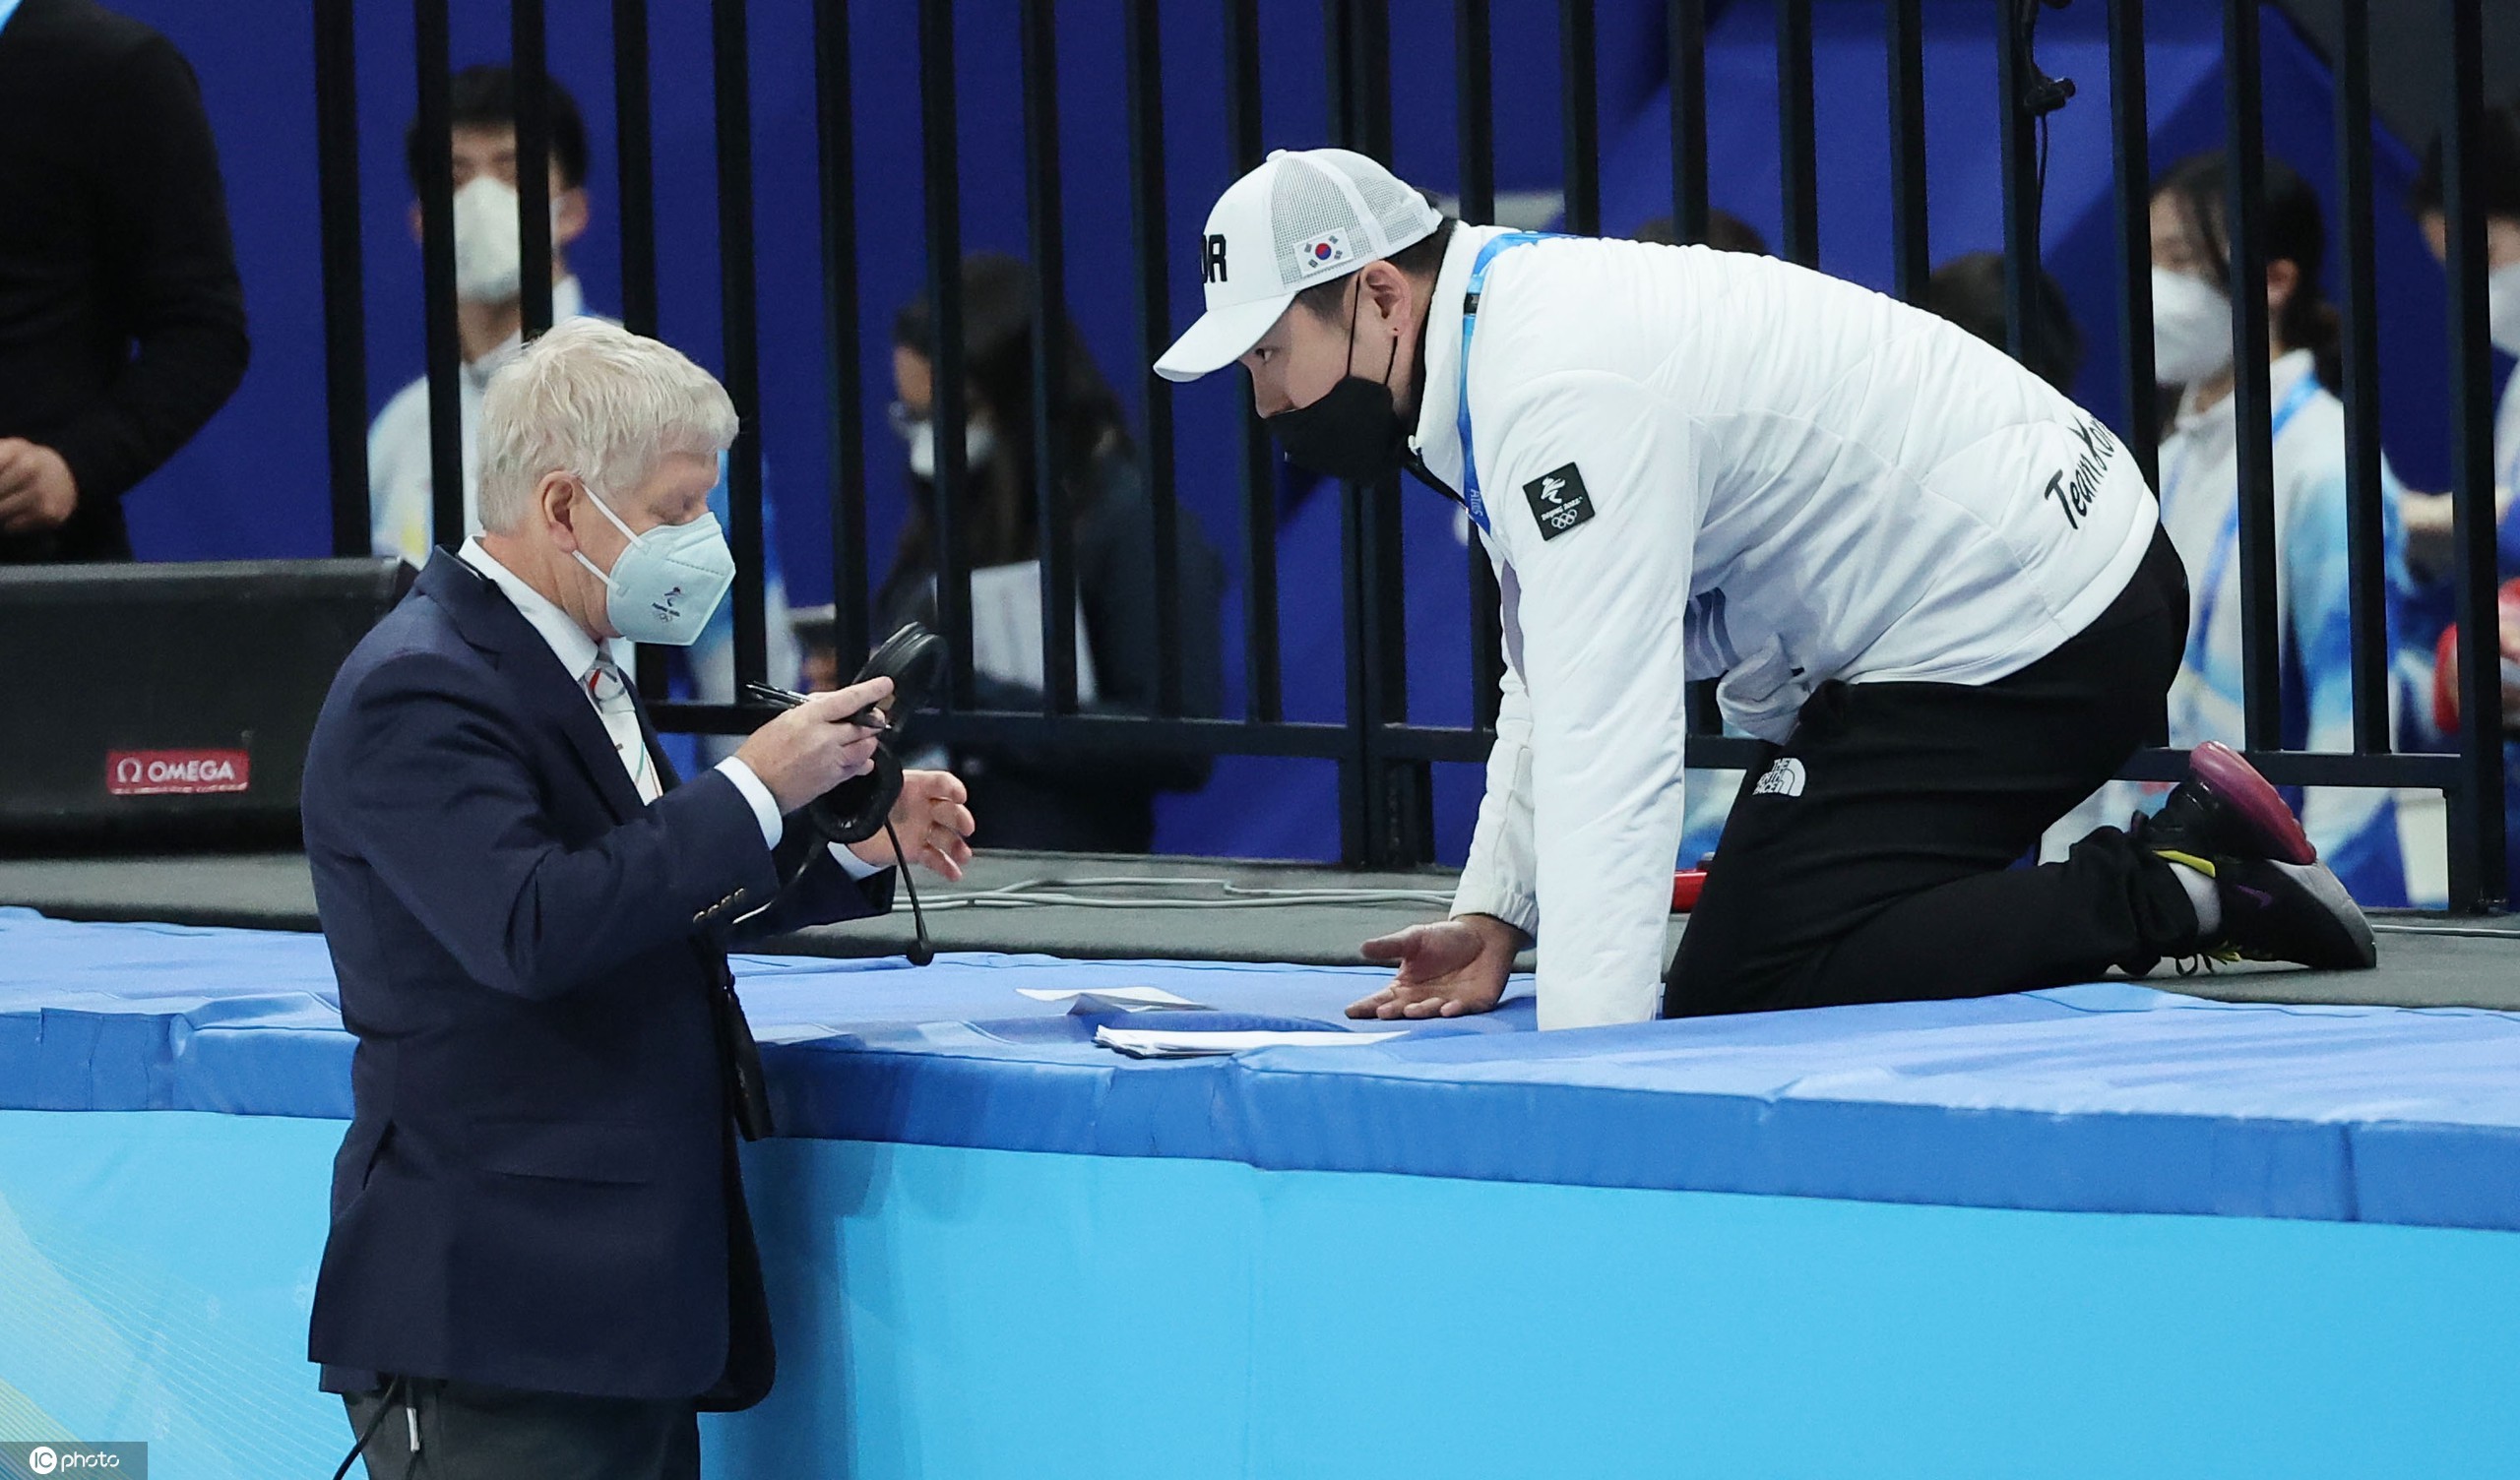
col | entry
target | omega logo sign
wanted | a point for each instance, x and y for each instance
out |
(166, 772)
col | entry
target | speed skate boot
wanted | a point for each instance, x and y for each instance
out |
(2277, 901)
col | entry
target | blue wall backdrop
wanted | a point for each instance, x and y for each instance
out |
(253, 483)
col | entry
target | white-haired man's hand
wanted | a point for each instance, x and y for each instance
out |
(934, 820)
(812, 748)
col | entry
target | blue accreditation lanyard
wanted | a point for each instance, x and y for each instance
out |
(1468, 322)
(2209, 594)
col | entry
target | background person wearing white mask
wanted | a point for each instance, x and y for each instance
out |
(1933, 584)
(2355, 829)
(489, 308)
(489, 311)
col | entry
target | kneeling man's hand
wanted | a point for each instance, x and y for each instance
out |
(1447, 968)
(934, 822)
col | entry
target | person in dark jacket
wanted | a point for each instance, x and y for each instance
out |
(122, 325)
(1072, 797)
(540, 1261)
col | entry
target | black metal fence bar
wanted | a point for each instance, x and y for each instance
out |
(1401, 794)
(633, 173)
(1386, 804)
(2478, 842)
(1797, 138)
(1474, 105)
(740, 332)
(835, 170)
(531, 69)
(2020, 166)
(1474, 111)
(1054, 538)
(1116, 735)
(947, 412)
(2301, 768)
(344, 311)
(1685, 23)
(634, 167)
(1256, 461)
(443, 345)
(1579, 95)
(2363, 545)
(1145, 64)
(2244, 212)
(1910, 240)
(2130, 187)
(1357, 810)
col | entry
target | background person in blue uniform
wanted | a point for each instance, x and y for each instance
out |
(2497, 145)
(540, 1261)
(2355, 829)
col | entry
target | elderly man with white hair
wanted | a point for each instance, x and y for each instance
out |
(539, 1261)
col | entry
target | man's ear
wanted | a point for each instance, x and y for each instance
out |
(569, 216)
(415, 220)
(1386, 287)
(554, 497)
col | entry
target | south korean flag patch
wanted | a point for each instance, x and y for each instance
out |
(1322, 253)
(1558, 501)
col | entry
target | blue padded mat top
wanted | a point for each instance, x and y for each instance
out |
(2110, 1097)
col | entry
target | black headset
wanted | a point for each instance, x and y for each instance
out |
(862, 805)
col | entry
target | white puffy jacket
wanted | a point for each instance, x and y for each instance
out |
(1777, 477)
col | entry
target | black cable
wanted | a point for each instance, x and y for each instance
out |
(921, 952)
(359, 1446)
(2043, 95)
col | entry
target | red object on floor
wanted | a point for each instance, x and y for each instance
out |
(1686, 886)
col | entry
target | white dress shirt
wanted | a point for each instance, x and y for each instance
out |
(580, 654)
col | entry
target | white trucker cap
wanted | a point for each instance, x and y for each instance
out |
(1303, 217)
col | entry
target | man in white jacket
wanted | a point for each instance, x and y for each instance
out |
(1933, 584)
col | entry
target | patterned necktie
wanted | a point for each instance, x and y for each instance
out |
(609, 688)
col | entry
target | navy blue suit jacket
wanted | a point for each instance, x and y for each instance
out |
(538, 1188)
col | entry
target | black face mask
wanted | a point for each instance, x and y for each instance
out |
(1353, 432)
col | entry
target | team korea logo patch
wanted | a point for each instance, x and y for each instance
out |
(1558, 501)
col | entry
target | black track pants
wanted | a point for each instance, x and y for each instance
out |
(1871, 858)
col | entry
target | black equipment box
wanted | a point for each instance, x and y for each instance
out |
(170, 705)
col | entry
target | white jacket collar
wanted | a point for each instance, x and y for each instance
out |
(1436, 439)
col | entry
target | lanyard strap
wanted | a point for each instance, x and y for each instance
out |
(2209, 594)
(1468, 322)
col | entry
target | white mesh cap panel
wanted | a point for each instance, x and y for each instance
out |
(1396, 209)
(1305, 204)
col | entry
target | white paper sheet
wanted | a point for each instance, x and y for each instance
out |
(1006, 628)
(1112, 999)
(1159, 1043)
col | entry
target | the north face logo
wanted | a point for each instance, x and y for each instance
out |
(1784, 778)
